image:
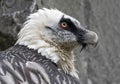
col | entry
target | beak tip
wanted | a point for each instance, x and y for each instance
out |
(91, 39)
(95, 44)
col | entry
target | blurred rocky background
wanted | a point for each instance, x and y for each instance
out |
(100, 65)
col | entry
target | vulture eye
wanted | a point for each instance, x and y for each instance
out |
(63, 25)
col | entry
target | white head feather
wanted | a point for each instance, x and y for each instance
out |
(34, 35)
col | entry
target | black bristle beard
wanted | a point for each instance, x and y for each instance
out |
(83, 47)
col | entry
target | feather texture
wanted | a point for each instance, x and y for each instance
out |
(20, 65)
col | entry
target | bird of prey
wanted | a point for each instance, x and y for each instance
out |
(43, 53)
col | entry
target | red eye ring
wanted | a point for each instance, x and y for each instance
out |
(63, 25)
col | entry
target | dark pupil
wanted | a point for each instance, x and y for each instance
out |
(64, 24)
(68, 22)
(70, 25)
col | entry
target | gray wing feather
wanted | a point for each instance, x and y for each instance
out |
(20, 65)
(29, 73)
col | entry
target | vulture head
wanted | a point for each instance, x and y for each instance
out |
(54, 35)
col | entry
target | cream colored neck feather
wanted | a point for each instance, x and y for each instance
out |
(62, 57)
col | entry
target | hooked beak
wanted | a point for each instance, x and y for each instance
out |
(86, 37)
(90, 37)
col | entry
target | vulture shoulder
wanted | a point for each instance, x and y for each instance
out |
(20, 65)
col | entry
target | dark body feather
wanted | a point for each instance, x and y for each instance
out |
(21, 65)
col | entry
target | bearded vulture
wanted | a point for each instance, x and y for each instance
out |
(43, 53)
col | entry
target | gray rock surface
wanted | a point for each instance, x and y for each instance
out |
(100, 65)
